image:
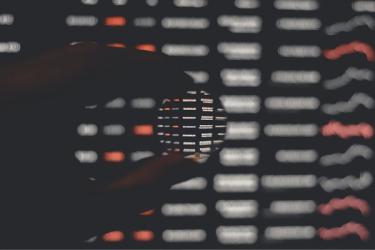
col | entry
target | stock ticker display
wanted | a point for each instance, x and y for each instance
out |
(296, 79)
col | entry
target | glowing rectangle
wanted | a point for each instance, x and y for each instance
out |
(143, 235)
(113, 236)
(242, 131)
(237, 234)
(146, 47)
(114, 156)
(143, 130)
(239, 156)
(241, 104)
(184, 209)
(235, 183)
(115, 21)
(184, 235)
(236, 209)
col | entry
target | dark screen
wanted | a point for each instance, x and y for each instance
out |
(296, 78)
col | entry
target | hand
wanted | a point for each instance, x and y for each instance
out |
(45, 202)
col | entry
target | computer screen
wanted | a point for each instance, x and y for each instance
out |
(296, 81)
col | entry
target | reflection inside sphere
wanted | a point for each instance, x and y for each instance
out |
(194, 124)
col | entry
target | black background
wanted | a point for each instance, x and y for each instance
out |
(41, 24)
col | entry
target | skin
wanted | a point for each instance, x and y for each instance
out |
(64, 74)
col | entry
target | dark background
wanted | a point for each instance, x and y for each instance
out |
(41, 24)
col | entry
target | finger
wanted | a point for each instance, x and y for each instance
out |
(88, 72)
(162, 171)
(145, 188)
(46, 72)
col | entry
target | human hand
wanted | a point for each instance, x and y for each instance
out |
(44, 199)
